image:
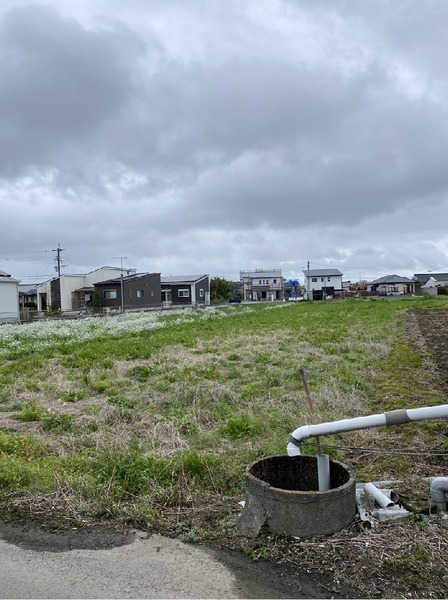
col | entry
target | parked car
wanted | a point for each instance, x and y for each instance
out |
(235, 300)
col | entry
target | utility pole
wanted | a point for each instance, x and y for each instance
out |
(58, 259)
(308, 281)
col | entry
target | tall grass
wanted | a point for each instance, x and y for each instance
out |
(138, 418)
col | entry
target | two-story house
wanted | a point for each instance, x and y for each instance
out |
(74, 292)
(322, 283)
(262, 284)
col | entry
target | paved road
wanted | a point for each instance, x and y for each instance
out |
(98, 562)
(148, 568)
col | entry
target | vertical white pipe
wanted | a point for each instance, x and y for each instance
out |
(323, 472)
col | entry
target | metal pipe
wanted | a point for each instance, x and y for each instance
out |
(439, 487)
(393, 417)
(380, 498)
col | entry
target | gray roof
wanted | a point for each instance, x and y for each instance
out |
(263, 274)
(187, 279)
(321, 272)
(392, 279)
(4, 274)
(423, 277)
(30, 289)
(126, 278)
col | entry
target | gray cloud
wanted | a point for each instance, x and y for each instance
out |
(216, 137)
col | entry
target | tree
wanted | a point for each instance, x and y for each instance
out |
(219, 289)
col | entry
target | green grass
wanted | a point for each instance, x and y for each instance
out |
(139, 426)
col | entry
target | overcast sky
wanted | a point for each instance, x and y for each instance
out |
(211, 136)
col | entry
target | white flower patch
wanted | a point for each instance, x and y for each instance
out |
(43, 334)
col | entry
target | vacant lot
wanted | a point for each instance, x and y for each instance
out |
(150, 420)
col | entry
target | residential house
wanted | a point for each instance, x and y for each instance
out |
(322, 283)
(74, 292)
(27, 295)
(393, 285)
(138, 291)
(9, 298)
(182, 290)
(430, 288)
(421, 279)
(262, 284)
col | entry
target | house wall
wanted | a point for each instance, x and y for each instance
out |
(202, 291)
(68, 284)
(397, 288)
(150, 286)
(9, 301)
(55, 295)
(109, 302)
(143, 292)
(325, 282)
(177, 288)
(43, 295)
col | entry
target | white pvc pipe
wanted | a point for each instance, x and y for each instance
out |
(380, 498)
(394, 417)
(439, 487)
(323, 472)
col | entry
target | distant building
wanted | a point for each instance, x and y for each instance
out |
(262, 284)
(422, 278)
(393, 285)
(134, 292)
(322, 283)
(9, 298)
(27, 294)
(74, 292)
(185, 290)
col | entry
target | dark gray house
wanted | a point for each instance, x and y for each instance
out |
(186, 290)
(140, 291)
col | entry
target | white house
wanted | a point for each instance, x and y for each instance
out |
(74, 292)
(9, 298)
(321, 283)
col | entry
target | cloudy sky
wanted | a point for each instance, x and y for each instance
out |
(210, 136)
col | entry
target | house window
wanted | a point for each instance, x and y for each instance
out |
(259, 283)
(274, 280)
(130, 293)
(184, 293)
(314, 279)
(201, 293)
(110, 294)
(321, 278)
(140, 293)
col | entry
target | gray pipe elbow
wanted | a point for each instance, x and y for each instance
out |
(439, 488)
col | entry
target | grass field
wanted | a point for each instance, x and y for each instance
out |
(151, 419)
